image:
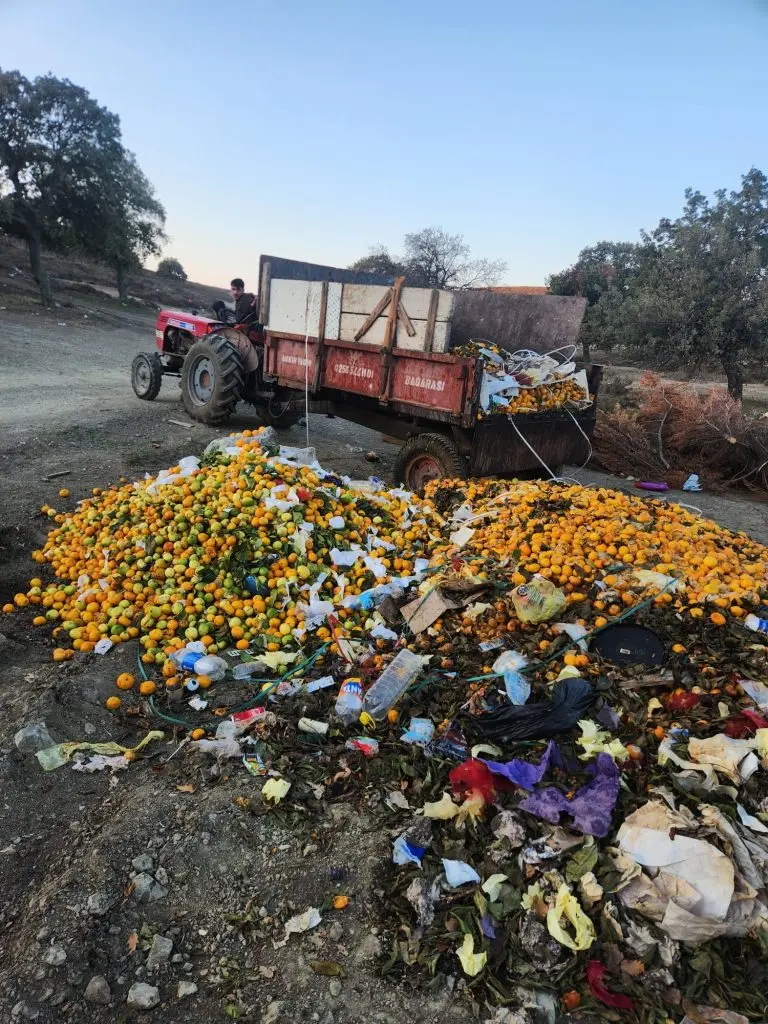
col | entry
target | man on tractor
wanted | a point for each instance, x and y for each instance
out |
(245, 302)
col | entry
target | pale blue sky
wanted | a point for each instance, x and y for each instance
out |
(314, 130)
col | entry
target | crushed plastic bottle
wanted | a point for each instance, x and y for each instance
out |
(349, 703)
(756, 624)
(245, 669)
(193, 658)
(392, 684)
(211, 666)
(186, 658)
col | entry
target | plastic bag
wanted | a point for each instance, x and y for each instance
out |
(472, 963)
(596, 971)
(458, 872)
(538, 600)
(419, 732)
(508, 665)
(571, 700)
(567, 906)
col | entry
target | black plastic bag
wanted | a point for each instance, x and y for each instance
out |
(571, 700)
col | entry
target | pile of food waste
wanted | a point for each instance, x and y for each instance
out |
(552, 698)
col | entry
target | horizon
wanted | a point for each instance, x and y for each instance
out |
(314, 135)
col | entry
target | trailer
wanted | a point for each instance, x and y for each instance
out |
(380, 355)
(374, 351)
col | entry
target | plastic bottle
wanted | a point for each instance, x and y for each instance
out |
(756, 624)
(211, 666)
(245, 669)
(186, 658)
(349, 703)
(392, 684)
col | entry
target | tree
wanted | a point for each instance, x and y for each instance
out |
(123, 220)
(171, 267)
(701, 291)
(55, 144)
(379, 261)
(433, 259)
(600, 269)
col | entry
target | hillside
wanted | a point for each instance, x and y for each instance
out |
(73, 277)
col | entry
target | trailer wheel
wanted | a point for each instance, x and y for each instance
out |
(147, 375)
(212, 379)
(428, 457)
(282, 410)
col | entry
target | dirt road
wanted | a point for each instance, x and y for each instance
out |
(69, 842)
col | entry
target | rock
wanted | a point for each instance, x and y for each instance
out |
(98, 904)
(159, 953)
(144, 862)
(272, 1012)
(186, 989)
(32, 738)
(504, 1016)
(142, 996)
(177, 958)
(161, 876)
(43, 935)
(267, 972)
(97, 991)
(369, 949)
(146, 889)
(25, 1010)
(335, 988)
(55, 956)
(335, 932)
(371, 457)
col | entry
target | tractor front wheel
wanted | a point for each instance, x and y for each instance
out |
(428, 457)
(147, 375)
(212, 379)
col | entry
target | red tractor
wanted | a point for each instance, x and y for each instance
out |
(219, 362)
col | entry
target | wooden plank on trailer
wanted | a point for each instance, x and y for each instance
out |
(378, 309)
(405, 320)
(429, 339)
(391, 328)
(264, 290)
(362, 298)
(350, 323)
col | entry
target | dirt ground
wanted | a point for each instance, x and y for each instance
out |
(68, 840)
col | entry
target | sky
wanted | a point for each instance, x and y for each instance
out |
(317, 130)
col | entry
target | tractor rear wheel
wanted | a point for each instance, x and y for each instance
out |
(428, 457)
(147, 375)
(212, 379)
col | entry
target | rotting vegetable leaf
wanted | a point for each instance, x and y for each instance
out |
(584, 860)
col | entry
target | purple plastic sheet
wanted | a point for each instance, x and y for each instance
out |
(486, 926)
(607, 716)
(591, 807)
(523, 773)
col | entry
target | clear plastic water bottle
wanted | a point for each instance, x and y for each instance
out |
(349, 703)
(392, 684)
(186, 658)
(756, 624)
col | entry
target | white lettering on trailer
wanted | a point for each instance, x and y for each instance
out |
(181, 323)
(158, 335)
(426, 383)
(295, 360)
(344, 369)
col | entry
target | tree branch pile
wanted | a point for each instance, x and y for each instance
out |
(675, 432)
